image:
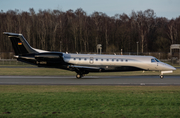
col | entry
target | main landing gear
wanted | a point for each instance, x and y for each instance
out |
(78, 76)
(81, 74)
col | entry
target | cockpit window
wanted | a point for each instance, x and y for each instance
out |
(153, 60)
(157, 60)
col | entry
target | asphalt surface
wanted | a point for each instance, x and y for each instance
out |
(35, 67)
(91, 80)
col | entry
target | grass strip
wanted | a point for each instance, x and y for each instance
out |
(89, 101)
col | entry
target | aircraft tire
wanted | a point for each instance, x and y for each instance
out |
(161, 76)
(78, 76)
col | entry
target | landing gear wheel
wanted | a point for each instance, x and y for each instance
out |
(78, 76)
(161, 76)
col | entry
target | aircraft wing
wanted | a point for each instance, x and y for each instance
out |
(86, 68)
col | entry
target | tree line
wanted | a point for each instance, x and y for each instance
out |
(75, 31)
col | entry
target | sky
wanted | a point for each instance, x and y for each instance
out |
(163, 8)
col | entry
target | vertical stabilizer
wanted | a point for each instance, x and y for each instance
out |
(20, 45)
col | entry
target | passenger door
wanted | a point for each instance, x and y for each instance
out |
(91, 60)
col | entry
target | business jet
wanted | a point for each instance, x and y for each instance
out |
(83, 64)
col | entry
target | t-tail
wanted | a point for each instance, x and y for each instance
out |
(25, 53)
(20, 45)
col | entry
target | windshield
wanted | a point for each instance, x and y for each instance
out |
(155, 60)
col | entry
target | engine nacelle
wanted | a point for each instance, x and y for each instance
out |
(49, 59)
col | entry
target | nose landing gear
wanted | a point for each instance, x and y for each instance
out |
(163, 72)
(161, 76)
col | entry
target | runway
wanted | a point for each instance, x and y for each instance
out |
(91, 80)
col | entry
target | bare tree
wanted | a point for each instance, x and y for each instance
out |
(144, 22)
(76, 31)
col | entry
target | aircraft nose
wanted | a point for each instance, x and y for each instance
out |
(171, 67)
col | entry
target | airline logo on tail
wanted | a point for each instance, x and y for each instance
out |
(19, 43)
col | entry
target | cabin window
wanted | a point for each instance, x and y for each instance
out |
(153, 60)
(117, 60)
(107, 59)
(112, 59)
(122, 60)
(74, 58)
(79, 59)
(126, 60)
(96, 59)
(101, 59)
(85, 59)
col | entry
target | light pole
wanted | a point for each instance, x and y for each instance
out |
(137, 47)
